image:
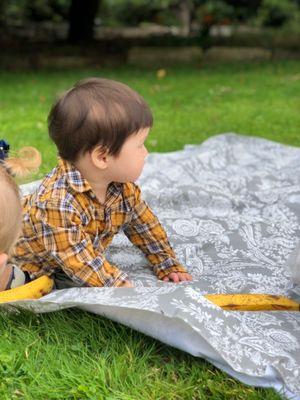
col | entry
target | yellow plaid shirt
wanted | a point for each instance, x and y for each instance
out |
(66, 228)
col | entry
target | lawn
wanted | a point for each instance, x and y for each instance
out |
(75, 355)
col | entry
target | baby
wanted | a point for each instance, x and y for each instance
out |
(99, 128)
(11, 211)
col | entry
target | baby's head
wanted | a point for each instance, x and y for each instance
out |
(99, 116)
(10, 212)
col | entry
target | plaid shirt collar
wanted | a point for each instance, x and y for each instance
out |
(79, 184)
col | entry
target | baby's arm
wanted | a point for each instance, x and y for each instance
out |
(5, 272)
(145, 231)
(10, 275)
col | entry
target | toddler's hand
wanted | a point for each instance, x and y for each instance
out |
(178, 277)
(126, 284)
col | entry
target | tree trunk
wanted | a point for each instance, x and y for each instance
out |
(185, 9)
(81, 18)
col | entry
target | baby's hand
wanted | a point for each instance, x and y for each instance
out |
(126, 284)
(178, 277)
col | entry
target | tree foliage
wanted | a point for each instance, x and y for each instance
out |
(269, 13)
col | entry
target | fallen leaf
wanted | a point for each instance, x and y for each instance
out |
(161, 73)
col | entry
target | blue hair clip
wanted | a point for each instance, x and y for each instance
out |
(4, 149)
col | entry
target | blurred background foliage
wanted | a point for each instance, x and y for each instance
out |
(194, 14)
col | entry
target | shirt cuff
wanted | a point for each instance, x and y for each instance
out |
(118, 281)
(165, 268)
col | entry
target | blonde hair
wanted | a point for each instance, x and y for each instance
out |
(28, 161)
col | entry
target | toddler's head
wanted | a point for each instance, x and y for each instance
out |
(28, 160)
(97, 113)
(10, 212)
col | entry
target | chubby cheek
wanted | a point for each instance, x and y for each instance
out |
(131, 166)
(135, 169)
(126, 172)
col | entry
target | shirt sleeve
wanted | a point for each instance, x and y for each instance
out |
(145, 231)
(65, 242)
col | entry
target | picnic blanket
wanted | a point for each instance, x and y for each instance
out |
(231, 208)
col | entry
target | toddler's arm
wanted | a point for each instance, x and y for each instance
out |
(145, 231)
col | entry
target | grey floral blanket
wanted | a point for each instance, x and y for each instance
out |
(231, 207)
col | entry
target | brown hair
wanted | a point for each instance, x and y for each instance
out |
(10, 211)
(96, 112)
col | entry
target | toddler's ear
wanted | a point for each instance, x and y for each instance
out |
(99, 157)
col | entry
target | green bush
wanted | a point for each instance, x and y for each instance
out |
(279, 14)
(17, 12)
(133, 12)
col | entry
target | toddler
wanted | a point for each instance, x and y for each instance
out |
(11, 211)
(99, 128)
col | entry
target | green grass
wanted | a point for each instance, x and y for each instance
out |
(75, 355)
